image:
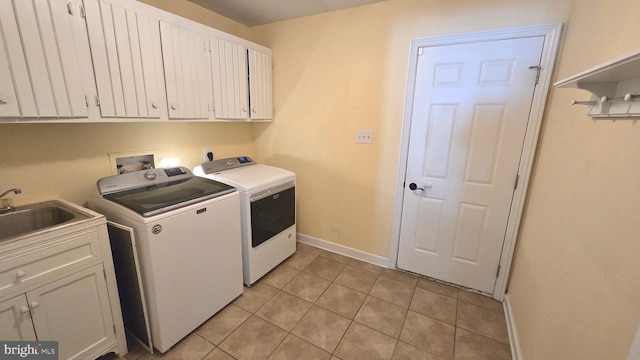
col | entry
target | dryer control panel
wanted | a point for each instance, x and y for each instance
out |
(210, 167)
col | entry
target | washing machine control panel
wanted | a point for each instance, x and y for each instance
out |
(133, 180)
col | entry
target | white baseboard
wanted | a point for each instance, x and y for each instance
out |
(516, 354)
(344, 250)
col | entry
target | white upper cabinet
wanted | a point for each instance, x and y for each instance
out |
(125, 48)
(38, 60)
(187, 72)
(260, 85)
(123, 60)
(230, 74)
(242, 81)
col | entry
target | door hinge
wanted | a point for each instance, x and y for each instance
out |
(86, 100)
(515, 186)
(419, 51)
(70, 8)
(83, 13)
(114, 328)
(538, 69)
(97, 101)
(498, 272)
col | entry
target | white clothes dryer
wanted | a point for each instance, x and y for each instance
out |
(268, 208)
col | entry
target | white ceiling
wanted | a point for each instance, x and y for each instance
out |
(260, 12)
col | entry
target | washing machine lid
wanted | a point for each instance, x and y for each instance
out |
(246, 177)
(152, 192)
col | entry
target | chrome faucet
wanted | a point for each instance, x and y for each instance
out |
(7, 204)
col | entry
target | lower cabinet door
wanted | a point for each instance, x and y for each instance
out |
(15, 321)
(74, 311)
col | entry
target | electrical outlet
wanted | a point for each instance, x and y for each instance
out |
(207, 154)
(364, 136)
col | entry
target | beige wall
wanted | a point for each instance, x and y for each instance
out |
(65, 160)
(338, 72)
(575, 288)
(575, 285)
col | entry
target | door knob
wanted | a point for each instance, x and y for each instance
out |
(424, 187)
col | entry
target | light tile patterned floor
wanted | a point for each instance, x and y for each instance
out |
(321, 305)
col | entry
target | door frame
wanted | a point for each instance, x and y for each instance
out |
(551, 33)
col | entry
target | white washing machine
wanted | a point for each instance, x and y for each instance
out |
(268, 207)
(187, 234)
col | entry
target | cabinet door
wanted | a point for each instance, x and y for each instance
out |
(125, 47)
(75, 311)
(39, 60)
(15, 321)
(260, 85)
(229, 66)
(187, 72)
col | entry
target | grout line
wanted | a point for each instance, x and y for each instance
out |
(352, 321)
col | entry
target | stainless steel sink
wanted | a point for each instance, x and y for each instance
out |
(31, 219)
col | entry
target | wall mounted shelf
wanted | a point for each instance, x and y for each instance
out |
(614, 87)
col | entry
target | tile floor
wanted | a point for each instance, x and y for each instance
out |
(321, 305)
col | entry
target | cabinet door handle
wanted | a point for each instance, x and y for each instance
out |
(20, 274)
(24, 310)
(3, 100)
(154, 105)
(244, 109)
(174, 106)
(34, 304)
(253, 110)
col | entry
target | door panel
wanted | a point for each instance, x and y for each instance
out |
(229, 66)
(124, 47)
(260, 85)
(42, 60)
(79, 326)
(468, 125)
(15, 320)
(187, 71)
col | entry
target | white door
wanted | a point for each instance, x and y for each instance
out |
(468, 125)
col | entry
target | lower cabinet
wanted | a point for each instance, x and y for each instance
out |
(16, 320)
(62, 288)
(71, 311)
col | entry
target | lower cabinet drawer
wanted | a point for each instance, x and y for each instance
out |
(32, 264)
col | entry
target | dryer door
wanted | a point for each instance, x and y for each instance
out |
(272, 211)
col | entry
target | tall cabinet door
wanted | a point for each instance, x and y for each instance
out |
(38, 60)
(229, 64)
(187, 72)
(15, 320)
(125, 47)
(260, 85)
(81, 327)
